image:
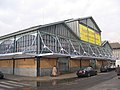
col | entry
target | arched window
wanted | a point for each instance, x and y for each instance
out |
(50, 42)
(7, 46)
(63, 45)
(26, 43)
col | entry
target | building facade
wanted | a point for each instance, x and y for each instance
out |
(69, 45)
(107, 45)
(116, 50)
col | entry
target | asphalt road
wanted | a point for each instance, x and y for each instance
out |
(66, 84)
(76, 83)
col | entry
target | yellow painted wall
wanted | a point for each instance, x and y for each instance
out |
(85, 63)
(74, 63)
(47, 62)
(6, 63)
(25, 63)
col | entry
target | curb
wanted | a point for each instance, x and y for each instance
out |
(44, 78)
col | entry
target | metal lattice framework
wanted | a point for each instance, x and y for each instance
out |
(55, 38)
(55, 44)
(75, 48)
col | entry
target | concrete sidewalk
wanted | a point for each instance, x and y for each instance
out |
(44, 78)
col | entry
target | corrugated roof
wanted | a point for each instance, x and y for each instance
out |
(41, 26)
(92, 20)
(103, 43)
(89, 17)
(115, 45)
(106, 42)
(28, 30)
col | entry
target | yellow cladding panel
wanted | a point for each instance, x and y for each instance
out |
(25, 63)
(85, 63)
(74, 63)
(99, 62)
(47, 63)
(105, 62)
(6, 63)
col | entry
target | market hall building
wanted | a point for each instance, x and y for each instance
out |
(69, 45)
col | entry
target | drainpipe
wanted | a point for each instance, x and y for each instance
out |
(14, 50)
(68, 64)
(38, 66)
(13, 66)
(37, 58)
(95, 63)
(102, 63)
(80, 62)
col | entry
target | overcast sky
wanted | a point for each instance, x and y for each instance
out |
(16, 15)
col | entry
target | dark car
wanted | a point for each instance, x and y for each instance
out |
(104, 69)
(88, 71)
(1, 75)
(111, 67)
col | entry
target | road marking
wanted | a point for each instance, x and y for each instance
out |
(18, 83)
(11, 84)
(5, 86)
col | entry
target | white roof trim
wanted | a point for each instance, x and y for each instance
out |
(49, 55)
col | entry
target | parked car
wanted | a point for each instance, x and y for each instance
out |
(104, 68)
(111, 67)
(1, 75)
(88, 71)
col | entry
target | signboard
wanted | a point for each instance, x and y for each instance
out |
(83, 33)
(89, 35)
(98, 38)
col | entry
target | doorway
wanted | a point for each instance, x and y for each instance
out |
(63, 65)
